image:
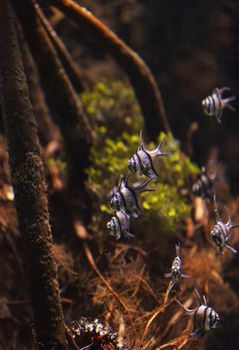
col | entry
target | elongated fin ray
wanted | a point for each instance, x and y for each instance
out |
(185, 276)
(216, 213)
(177, 248)
(226, 103)
(198, 296)
(229, 222)
(128, 234)
(188, 311)
(142, 187)
(156, 152)
(233, 250)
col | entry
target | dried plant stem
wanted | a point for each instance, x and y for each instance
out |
(114, 293)
(159, 310)
(72, 70)
(29, 186)
(142, 80)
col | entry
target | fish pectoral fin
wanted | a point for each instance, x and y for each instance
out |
(199, 333)
(136, 212)
(168, 275)
(128, 234)
(219, 118)
(233, 250)
(152, 174)
(185, 276)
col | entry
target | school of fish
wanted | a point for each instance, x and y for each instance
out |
(125, 202)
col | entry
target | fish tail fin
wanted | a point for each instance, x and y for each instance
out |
(128, 234)
(168, 275)
(233, 250)
(226, 102)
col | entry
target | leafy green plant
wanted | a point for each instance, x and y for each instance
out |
(112, 104)
(166, 204)
(166, 207)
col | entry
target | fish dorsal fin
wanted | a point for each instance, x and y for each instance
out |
(123, 182)
(204, 300)
(141, 141)
(216, 213)
(229, 222)
(155, 152)
(198, 296)
(177, 248)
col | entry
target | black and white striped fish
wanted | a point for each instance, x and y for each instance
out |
(221, 231)
(214, 104)
(143, 161)
(203, 186)
(119, 225)
(126, 197)
(205, 318)
(176, 270)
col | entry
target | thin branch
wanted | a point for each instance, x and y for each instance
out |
(47, 129)
(141, 78)
(72, 70)
(62, 98)
(29, 186)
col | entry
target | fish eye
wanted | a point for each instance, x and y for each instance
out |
(115, 202)
(195, 188)
(132, 165)
(215, 232)
(109, 224)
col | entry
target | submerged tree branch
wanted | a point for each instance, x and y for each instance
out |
(29, 187)
(62, 98)
(71, 68)
(47, 129)
(142, 80)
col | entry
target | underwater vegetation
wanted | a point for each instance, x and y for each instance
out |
(97, 192)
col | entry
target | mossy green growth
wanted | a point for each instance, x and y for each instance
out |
(164, 209)
(112, 104)
(113, 110)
